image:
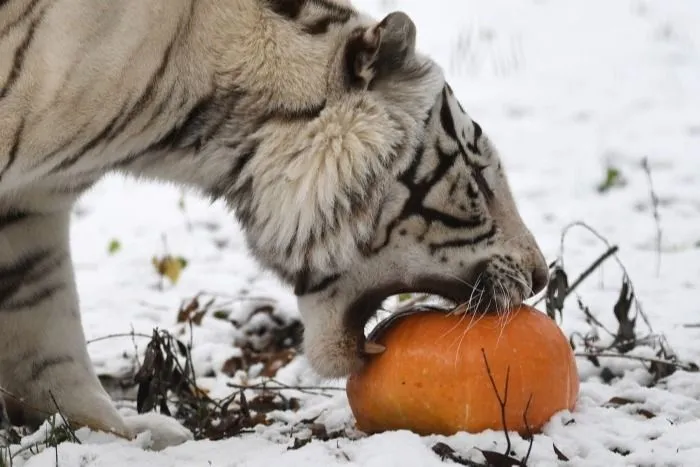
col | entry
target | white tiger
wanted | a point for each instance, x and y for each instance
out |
(352, 168)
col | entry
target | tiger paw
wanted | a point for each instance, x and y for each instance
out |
(164, 431)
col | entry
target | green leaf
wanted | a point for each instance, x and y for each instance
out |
(613, 178)
(114, 246)
(221, 314)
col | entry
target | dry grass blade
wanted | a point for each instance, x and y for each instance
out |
(655, 213)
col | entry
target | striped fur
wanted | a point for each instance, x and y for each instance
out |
(350, 164)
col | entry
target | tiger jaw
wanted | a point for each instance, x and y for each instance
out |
(335, 340)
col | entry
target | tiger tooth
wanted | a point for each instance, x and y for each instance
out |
(372, 348)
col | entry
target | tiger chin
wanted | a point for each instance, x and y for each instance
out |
(348, 161)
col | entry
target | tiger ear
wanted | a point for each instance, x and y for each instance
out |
(381, 48)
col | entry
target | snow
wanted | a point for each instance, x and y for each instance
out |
(564, 89)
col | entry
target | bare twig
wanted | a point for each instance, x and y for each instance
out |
(501, 402)
(132, 335)
(312, 390)
(651, 340)
(587, 313)
(234, 298)
(530, 436)
(587, 272)
(611, 251)
(655, 212)
(659, 361)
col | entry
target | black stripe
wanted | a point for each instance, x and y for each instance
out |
(200, 125)
(92, 144)
(125, 115)
(287, 8)
(121, 164)
(14, 274)
(241, 162)
(26, 271)
(324, 283)
(54, 262)
(159, 109)
(461, 242)
(185, 134)
(448, 124)
(223, 186)
(303, 285)
(301, 282)
(14, 217)
(419, 189)
(27, 11)
(14, 149)
(35, 298)
(291, 9)
(335, 8)
(474, 145)
(241, 198)
(292, 242)
(61, 148)
(43, 364)
(18, 60)
(120, 120)
(320, 26)
(291, 115)
(481, 182)
(147, 96)
(446, 119)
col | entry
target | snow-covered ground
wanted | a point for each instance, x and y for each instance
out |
(565, 89)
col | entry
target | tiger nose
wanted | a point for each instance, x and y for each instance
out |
(540, 276)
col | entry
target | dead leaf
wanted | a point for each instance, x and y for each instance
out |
(560, 455)
(556, 292)
(169, 266)
(626, 336)
(497, 459)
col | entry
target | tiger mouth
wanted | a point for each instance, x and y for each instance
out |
(451, 292)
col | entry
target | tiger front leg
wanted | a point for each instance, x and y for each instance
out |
(44, 364)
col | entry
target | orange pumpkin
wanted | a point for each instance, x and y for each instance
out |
(433, 376)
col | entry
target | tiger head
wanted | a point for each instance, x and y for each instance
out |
(391, 188)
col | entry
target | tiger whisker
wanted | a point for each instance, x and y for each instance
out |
(463, 314)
